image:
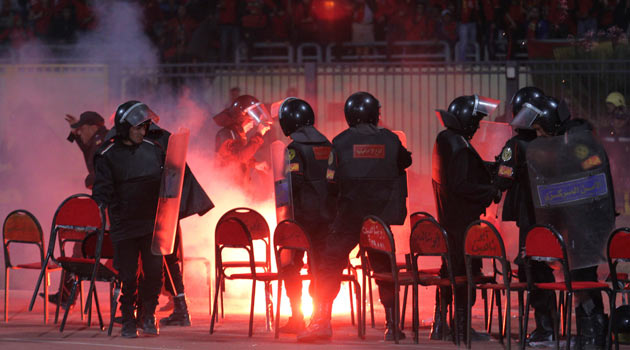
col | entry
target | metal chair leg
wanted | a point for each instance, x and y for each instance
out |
(68, 304)
(251, 310)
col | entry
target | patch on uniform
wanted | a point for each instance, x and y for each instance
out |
(330, 174)
(581, 151)
(506, 154)
(321, 152)
(291, 154)
(591, 162)
(506, 171)
(294, 167)
(369, 151)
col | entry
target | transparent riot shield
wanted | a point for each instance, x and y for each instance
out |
(490, 139)
(281, 181)
(572, 191)
(170, 194)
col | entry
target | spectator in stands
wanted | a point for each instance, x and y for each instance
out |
(17, 34)
(447, 29)
(537, 28)
(203, 45)
(362, 26)
(467, 28)
(39, 17)
(304, 26)
(64, 25)
(254, 23)
(421, 26)
(558, 17)
(489, 13)
(177, 34)
(586, 17)
(279, 30)
(229, 29)
(86, 19)
(395, 28)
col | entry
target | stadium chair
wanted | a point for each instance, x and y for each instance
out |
(290, 236)
(543, 242)
(21, 227)
(233, 233)
(618, 251)
(75, 217)
(484, 242)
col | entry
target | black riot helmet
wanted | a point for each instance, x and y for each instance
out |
(621, 319)
(132, 113)
(361, 107)
(294, 114)
(528, 94)
(465, 112)
(543, 112)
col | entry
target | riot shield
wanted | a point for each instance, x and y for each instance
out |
(281, 181)
(167, 214)
(572, 191)
(490, 139)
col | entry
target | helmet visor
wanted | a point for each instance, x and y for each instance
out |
(485, 105)
(258, 113)
(138, 114)
(526, 117)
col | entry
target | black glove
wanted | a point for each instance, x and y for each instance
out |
(497, 195)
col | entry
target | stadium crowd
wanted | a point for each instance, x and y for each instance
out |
(207, 31)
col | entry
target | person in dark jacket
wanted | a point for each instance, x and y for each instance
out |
(366, 175)
(88, 133)
(463, 189)
(308, 161)
(512, 177)
(128, 171)
(127, 183)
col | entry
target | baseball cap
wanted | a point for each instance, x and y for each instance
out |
(616, 98)
(89, 118)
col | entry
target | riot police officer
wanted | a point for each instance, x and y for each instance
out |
(512, 177)
(244, 125)
(308, 161)
(128, 172)
(366, 175)
(462, 187)
(585, 227)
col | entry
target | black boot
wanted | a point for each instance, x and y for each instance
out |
(128, 321)
(592, 329)
(437, 333)
(180, 315)
(462, 332)
(296, 322)
(149, 326)
(389, 323)
(320, 328)
(544, 328)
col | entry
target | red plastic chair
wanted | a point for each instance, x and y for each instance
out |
(429, 239)
(75, 217)
(234, 233)
(618, 251)
(484, 242)
(376, 237)
(21, 227)
(543, 242)
(259, 230)
(290, 236)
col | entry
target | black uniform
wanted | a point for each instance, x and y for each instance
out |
(366, 174)
(518, 206)
(617, 144)
(308, 162)
(89, 149)
(127, 182)
(463, 190)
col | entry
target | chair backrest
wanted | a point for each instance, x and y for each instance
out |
(543, 241)
(483, 241)
(428, 238)
(256, 223)
(415, 217)
(20, 226)
(289, 236)
(618, 250)
(75, 217)
(89, 247)
(233, 233)
(376, 235)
